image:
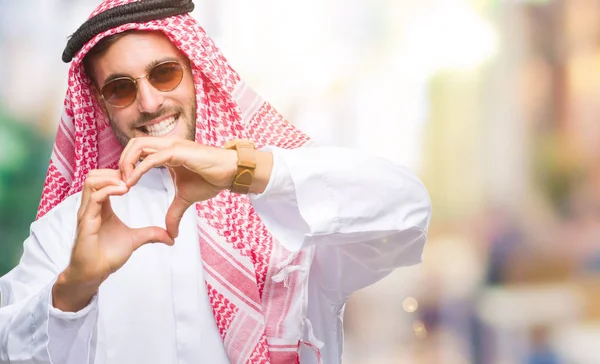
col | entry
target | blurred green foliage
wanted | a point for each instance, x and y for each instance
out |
(24, 156)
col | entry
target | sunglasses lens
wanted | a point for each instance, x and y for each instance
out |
(119, 92)
(166, 76)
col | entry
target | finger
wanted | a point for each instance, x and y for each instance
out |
(154, 160)
(150, 234)
(103, 172)
(96, 180)
(125, 166)
(94, 206)
(147, 151)
(175, 214)
(132, 153)
(136, 148)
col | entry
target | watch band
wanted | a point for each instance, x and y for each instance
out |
(246, 152)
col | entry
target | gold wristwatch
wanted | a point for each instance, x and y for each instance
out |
(246, 152)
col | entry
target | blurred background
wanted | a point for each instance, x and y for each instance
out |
(493, 103)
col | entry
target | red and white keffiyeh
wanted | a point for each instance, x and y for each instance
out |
(255, 313)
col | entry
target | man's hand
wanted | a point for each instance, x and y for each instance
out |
(199, 172)
(103, 243)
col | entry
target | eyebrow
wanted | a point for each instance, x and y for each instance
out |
(149, 67)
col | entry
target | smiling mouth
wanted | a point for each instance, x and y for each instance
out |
(162, 128)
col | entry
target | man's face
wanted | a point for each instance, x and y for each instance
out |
(153, 112)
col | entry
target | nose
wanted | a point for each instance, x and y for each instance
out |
(149, 99)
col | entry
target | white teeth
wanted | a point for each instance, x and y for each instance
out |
(162, 128)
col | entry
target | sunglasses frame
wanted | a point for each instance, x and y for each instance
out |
(135, 83)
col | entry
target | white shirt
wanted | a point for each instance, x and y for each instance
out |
(364, 215)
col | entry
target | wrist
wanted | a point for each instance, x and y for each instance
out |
(69, 295)
(250, 169)
(232, 168)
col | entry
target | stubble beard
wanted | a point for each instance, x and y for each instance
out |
(188, 116)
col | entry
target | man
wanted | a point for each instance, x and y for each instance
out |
(257, 250)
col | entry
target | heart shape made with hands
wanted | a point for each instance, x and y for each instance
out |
(199, 172)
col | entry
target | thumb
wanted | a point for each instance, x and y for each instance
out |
(152, 234)
(175, 214)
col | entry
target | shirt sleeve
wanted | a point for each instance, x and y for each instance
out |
(365, 215)
(31, 329)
